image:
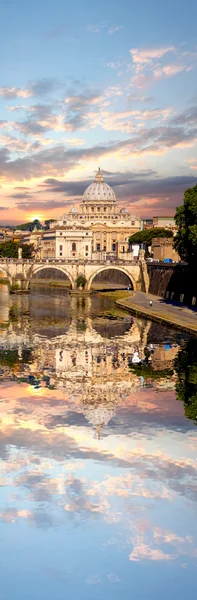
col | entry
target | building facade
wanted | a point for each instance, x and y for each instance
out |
(98, 228)
(166, 222)
(162, 248)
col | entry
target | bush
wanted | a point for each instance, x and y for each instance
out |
(81, 281)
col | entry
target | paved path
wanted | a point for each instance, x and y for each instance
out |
(161, 310)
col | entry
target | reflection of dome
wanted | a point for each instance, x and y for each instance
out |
(123, 210)
(73, 210)
(99, 190)
(99, 415)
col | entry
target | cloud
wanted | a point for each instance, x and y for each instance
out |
(146, 56)
(143, 552)
(169, 70)
(187, 117)
(14, 92)
(115, 91)
(20, 195)
(136, 98)
(3, 208)
(114, 29)
(44, 86)
(3, 124)
(97, 28)
(57, 160)
(141, 80)
(45, 205)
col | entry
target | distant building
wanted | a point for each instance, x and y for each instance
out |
(67, 242)
(146, 223)
(163, 248)
(166, 222)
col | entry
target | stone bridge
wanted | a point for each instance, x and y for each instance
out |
(19, 272)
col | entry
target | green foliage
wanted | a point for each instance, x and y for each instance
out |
(14, 287)
(81, 281)
(11, 358)
(30, 226)
(145, 370)
(186, 221)
(146, 235)
(185, 365)
(47, 223)
(10, 249)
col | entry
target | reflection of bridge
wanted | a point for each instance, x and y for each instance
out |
(20, 272)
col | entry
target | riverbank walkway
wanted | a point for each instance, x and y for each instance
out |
(161, 310)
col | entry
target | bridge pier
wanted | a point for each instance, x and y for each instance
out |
(19, 285)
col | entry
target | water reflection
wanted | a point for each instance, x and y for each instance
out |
(98, 460)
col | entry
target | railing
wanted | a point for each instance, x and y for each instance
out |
(63, 261)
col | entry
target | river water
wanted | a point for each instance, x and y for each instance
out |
(98, 446)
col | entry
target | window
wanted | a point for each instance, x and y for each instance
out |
(92, 208)
(105, 209)
(113, 247)
(60, 232)
(86, 248)
(98, 209)
(132, 222)
(98, 247)
(86, 232)
(60, 253)
(61, 248)
(104, 248)
(74, 247)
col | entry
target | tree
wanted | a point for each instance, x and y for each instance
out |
(81, 281)
(186, 221)
(30, 226)
(146, 235)
(10, 249)
(47, 223)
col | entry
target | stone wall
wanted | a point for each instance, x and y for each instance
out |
(173, 282)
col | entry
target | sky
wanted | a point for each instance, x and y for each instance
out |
(86, 85)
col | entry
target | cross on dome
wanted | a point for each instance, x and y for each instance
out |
(99, 177)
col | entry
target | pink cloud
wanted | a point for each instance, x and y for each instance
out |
(145, 56)
(14, 92)
(169, 70)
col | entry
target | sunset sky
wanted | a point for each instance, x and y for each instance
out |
(86, 84)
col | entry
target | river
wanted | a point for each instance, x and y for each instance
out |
(98, 445)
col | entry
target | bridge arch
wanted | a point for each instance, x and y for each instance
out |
(111, 268)
(42, 267)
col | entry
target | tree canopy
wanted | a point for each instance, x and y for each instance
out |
(10, 249)
(146, 235)
(30, 226)
(186, 221)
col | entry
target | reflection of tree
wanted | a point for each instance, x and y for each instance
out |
(10, 358)
(145, 370)
(186, 368)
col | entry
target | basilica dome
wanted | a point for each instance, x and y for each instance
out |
(99, 190)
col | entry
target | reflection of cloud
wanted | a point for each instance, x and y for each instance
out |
(143, 552)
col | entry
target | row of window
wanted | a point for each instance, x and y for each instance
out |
(113, 247)
(74, 248)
